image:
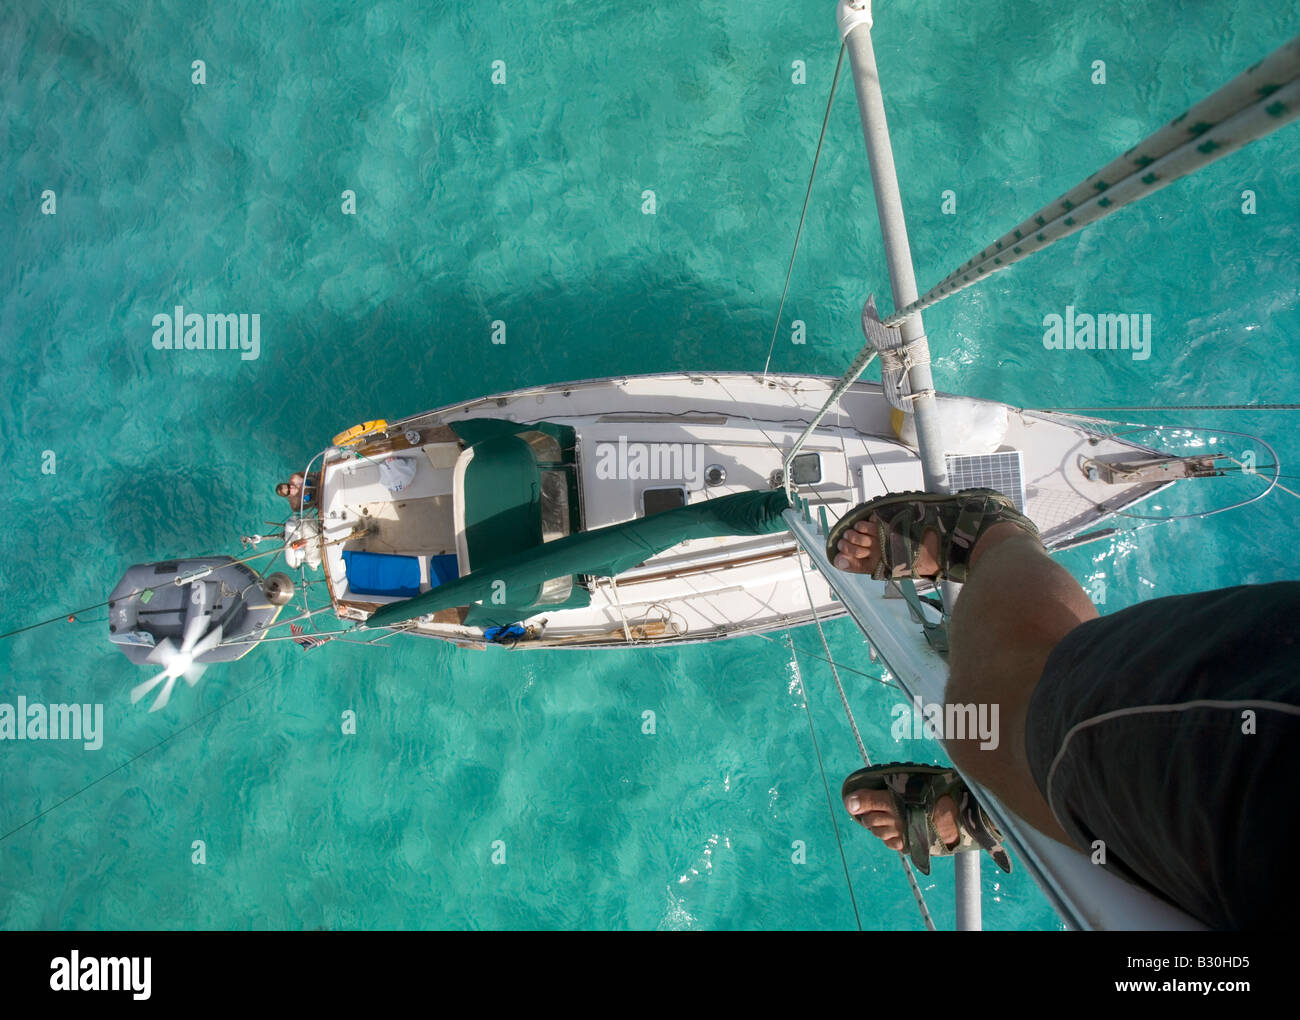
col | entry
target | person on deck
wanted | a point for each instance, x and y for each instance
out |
(300, 491)
(1162, 734)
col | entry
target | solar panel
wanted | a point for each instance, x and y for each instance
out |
(1000, 471)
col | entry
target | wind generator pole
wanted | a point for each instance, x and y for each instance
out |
(854, 18)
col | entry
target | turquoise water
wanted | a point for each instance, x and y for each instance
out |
(522, 202)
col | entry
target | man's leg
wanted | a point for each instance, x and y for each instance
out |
(1165, 731)
(1016, 605)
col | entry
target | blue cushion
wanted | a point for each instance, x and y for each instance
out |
(372, 573)
(443, 569)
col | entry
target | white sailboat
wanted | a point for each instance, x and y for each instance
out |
(637, 446)
(481, 484)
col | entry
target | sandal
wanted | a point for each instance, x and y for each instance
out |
(916, 789)
(904, 518)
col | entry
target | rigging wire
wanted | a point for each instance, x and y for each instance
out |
(830, 99)
(838, 665)
(1176, 407)
(830, 803)
(857, 736)
(853, 725)
(1242, 471)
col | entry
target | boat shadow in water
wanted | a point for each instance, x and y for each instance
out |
(435, 345)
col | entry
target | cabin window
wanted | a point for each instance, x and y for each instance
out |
(656, 501)
(557, 589)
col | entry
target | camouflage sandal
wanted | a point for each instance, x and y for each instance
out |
(916, 789)
(905, 517)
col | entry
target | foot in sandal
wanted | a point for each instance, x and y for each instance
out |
(924, 811)
(919, 534)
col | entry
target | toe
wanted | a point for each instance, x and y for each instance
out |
(860, 801)
(860, 535)
(945, 820)
(874, 811)
(856, 549)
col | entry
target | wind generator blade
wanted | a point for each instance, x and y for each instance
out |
(140, 690)
(195, 669)
(193, 631)
(196, 618)
(163, 652)
(166, 693)
(209, 641)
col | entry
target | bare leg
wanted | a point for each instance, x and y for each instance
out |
(1015, 606)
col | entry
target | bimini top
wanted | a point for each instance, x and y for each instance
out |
(516, 488)
(500, 485)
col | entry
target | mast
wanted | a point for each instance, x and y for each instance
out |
(854, 17)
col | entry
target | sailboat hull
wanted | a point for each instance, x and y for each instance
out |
(645, 443)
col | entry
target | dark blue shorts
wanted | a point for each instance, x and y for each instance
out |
(1168, 731)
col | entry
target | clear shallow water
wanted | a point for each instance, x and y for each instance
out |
(522, 202)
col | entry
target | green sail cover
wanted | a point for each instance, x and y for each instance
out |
(604, 552)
